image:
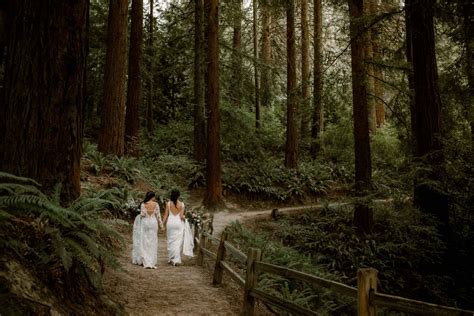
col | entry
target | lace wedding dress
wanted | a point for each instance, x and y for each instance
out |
(145, 237)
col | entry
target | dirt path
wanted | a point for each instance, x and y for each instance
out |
(183, 290)
(168, 290)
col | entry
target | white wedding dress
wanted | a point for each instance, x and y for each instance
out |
(145, 237)
(179, 235)
(175, 235)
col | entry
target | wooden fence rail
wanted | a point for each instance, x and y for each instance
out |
(366, 292)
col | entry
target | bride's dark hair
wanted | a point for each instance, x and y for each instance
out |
(148, 196)
(174, 197)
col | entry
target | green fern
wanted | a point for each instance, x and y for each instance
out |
(71, 243)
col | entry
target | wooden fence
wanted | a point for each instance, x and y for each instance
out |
(366, 292)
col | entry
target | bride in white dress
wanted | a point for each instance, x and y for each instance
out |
(145, 233)
(177, 230)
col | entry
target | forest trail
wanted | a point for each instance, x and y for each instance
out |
(168, 290)
(183, 290)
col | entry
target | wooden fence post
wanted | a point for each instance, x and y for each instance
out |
(254, 254)
(217, 279)
(202, 245)
(366, 282)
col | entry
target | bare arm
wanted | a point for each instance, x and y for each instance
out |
(183, 216)
(158, 215)
(165, 217)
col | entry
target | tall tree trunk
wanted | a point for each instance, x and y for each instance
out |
(236, 89)
(427, 110)
(266, 54)
(112, 125)
(255, 65)
(468, 30)
(363, 215)
(41, 110)
(199, 118)
(410, 78)
(378, 72)
(369, 59)
(150, 122)
(305, 73)
(291, 154)
(213, 199)
(317, 124)
(134, 89)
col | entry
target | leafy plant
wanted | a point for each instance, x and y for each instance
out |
(69, 245)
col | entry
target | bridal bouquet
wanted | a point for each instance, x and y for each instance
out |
(194, 218)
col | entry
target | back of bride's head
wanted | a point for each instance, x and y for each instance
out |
(174, 196)
(148, 196)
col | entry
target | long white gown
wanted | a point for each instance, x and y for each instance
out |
(145, 237)
(175, 235)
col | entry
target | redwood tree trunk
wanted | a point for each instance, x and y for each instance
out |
(266, 54)
(468, 28)
(112, 125)
(291, 154)
(305, 74)
(369, 59)
(427, 110)
(213, 199)
(255, 65)
(41, 110)
(236, 89)
(378, 71)
(317, 125)
(199, 120)
(410, 77)
(134, 90)
(363, 215)
(150, 122)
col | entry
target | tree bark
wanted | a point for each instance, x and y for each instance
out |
(213, 199)
(410, 78)
(378, 71)
(150, 122)
(317, 125)
(266, 54)
(427, 111)
(363, 215)
(112, 125)
(134, 89)
(41, 111)
(305, 73)
(291, 154)
(468, 30)
(255, 65)
(199, 118)
(369, 59)
(236, 90)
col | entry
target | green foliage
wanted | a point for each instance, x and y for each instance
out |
(404, 247)
(272, 181)
(68, 245)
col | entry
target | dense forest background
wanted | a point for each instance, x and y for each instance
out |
(277, 102)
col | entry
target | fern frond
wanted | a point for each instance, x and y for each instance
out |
(87, 205)
(8, 177)
(17, 188)
(80, 254)
(59, 248)
(90, 243)
(37, 205)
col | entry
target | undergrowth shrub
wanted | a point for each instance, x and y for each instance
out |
(68, 248)
(404, 247)
(273, 181)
